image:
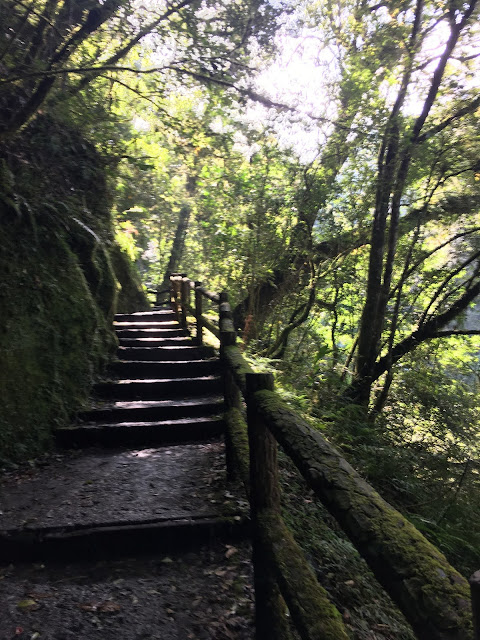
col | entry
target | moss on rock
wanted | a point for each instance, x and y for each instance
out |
(58, 289)
(132, 296)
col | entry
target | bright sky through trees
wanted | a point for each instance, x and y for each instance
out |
(306, 69)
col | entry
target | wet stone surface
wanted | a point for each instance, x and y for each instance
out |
(100, 487)
(206, 595)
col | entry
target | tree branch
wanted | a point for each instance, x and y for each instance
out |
(429, 331)
(468, 108)
(457, 332)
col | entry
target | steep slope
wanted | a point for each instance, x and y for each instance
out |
(58, 288)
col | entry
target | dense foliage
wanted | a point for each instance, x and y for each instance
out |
(354, 263)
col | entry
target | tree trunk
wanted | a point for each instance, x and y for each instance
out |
(178, 243)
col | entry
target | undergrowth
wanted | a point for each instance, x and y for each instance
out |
(421, 453)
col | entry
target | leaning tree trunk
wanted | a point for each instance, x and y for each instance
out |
(178, 243)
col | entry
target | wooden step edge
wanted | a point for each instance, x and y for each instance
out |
(140, 434)
(120, 539)
(122, 382)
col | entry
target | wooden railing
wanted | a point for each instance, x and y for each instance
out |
(433, 596)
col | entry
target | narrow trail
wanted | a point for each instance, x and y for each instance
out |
(132, 530)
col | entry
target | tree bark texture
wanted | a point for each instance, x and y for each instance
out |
(178, 242)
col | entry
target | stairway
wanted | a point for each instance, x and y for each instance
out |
(164, 389)
(149, 470)
(131, 530)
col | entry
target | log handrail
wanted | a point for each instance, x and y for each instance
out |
(279, 563)
(432, 595)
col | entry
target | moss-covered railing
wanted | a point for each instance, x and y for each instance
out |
(433, 596)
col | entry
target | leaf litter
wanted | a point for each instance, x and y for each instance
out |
(206, 595)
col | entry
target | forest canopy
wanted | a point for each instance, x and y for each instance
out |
(319, 160)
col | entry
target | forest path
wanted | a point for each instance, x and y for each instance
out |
(147, 476)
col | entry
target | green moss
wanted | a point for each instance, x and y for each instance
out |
(238, 432)
(312, 612)
(132, 296)
(235, 361)
(53, 339)
(432, 595)
(58, 289)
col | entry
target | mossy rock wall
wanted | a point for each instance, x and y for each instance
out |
(131, 296)
(58, 288)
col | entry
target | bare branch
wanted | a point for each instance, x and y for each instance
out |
(429, 254)
(444, 283)
(428, 331)
(468, 108)
(457, 332)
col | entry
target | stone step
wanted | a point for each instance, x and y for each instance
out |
(156, 342)
(150, 410)
(164, 369)
(142, 433)
(151, 332)
(131, 389)
(166, 324)
(95, 500)
(169, 353)
(146, 316)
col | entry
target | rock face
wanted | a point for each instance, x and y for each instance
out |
(58, 285)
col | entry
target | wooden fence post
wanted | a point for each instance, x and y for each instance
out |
(475, 592)
(186, 291)
(177, 284)
(270, 609)
(172, 290)
(183, 300)
(227, 337)
(198, 312)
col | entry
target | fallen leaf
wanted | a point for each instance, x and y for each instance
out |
(109, 607)
(101, 607)
(167, 560)
(170, 612)
(35, 636)
(28, 604)
(38, 595)
(349, 583)
(230, 551)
